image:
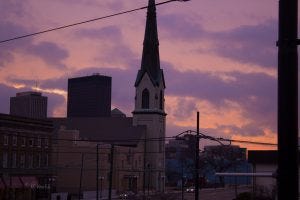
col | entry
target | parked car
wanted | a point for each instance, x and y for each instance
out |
(190, 189)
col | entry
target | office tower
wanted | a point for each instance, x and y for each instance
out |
(29, 104)
(89, 96)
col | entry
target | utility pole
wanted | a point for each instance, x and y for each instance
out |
(287, 180)
(97, 173)
(111, 170)
(197, 161)
(80, 180)
(144, 165)
(182, 179)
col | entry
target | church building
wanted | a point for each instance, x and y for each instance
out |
(149, 104)
(138, 163)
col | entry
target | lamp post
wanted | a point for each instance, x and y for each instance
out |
(111, 170)
(148, 182)
(163, 183)
(101, 179)
(97, 173)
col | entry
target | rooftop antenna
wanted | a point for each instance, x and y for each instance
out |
(36, 85)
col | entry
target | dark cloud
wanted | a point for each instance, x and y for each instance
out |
(12, 8)
(251, 129)
(9, 30)
(255, 92)
(54, 101)
(112, 43)
(254, 44)
(212, 88)
(115, 5)
(178, 26)
(112, 33)
(184, 108)
(50, 52)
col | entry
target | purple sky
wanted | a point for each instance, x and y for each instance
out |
(219, 58)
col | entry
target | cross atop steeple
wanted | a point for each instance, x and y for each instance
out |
(150, 59)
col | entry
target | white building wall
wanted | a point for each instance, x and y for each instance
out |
(267, 182)
(155, 120)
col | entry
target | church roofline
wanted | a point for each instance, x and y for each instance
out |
(150, 63)
(156, 83)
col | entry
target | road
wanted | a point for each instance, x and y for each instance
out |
(227, 193)
(212, 194)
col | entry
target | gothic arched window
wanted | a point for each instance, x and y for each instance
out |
(145, 99)
(161, 100)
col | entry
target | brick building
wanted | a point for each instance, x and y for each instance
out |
(25, 153)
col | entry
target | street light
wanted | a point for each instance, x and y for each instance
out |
(97, 173)
(101, 179)
(162, 177)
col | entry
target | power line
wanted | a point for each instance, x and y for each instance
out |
(220, 139)
(249, 142)
(84, 22)
(107, 141)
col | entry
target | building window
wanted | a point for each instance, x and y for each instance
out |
(14, 140)
(30, 161)
(39, 142)
(5, 140)
(108, 175)
(22, 160)
(135, 164)
(46, 142)
(23, 141)
(140, 160)
(30, 142)
(160, 146)
(145, 99)
(128, 159)
(108, 157)
(46, 160)
(161, 100)
(4, 159)
(14, 160)
(38, 160)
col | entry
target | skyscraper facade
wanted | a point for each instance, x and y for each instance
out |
(29, 104)
(89, 96)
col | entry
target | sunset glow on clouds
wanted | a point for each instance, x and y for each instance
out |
(218, 57)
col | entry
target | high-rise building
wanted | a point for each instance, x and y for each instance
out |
(149, 103)
(89, 96)
(29, 104)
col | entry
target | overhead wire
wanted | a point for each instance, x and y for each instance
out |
(108, 141)
(82, 22)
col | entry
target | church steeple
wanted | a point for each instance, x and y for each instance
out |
(150, 59)
(149, 110)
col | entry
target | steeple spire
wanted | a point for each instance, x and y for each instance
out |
(150, 58)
